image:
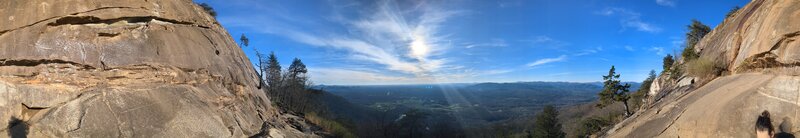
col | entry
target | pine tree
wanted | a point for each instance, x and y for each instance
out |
(297, 71)
(614, 91)
(274, 75)
(295, 81)
(547, 125)
(668, 61)
(245, 41)
(697, 31)
(640, 94)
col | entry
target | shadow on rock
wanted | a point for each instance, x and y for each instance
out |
(17, 128)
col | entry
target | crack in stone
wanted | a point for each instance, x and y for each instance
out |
(36, 62)
(76, 13)
(82, 20)
(77, 20)
(768, 59)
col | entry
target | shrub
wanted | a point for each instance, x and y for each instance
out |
(703, 68)
(592, 125)
(208, 9)
(689, 54)
(732, 12)
(336, 128)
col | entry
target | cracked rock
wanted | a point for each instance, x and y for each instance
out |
(111, 68)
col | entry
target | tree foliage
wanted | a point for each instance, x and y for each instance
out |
(245, 41)
(208, 9)
(668, 61)
(614, 91)
(639, 96)
(547, 125)
(591, 126)
(697, 30)
(273, 72)
(412, 121)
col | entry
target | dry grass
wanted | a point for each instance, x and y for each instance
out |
(704, 68)
(336, 128)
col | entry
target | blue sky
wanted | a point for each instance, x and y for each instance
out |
(345, 42)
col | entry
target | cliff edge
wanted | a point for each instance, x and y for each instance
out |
(122, 68)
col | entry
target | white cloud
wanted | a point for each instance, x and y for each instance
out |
(589, 51)
(401, 39)
(630, 19)
(493, 43)
(543, 40)
(546, 60)
(658, 50)
(642, 26)
(496, 71)
(629, 48)
(670, 3)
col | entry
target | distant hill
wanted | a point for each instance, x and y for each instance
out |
(475, 105)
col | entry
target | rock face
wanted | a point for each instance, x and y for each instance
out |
(758, 49)
(123, 68)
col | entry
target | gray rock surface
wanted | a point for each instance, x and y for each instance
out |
(758, 49)
(123, 68)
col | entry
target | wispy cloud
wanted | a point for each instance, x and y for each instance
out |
(402, 38)
(658, 50)
(493, 43)
(670, 3)
(546, 60)
(629, 18)
(496, 71)
(509, 3)
(629, 48)
(588, 51)
(543, 40)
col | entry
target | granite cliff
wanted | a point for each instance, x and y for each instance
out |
(124, 68)
(757, 55)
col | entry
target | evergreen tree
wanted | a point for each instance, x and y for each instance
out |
(295, 84)
(640, 94)
(547, 125)
(614, 91)
(297, 71)
(668, 61)
(245, 41)
(697, 31)
(273, 73)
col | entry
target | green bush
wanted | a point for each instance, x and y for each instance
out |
(689, 54)
(590, 126)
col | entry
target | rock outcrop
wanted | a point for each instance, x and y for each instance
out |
(123, 68)
(757, 50)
